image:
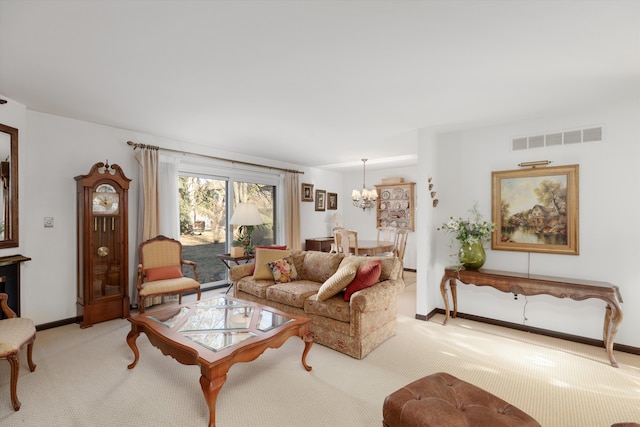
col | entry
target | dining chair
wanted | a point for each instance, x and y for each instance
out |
(386, 234)
(400, 246)
(160, 270)
(15, 333)
(346, 240)
(335, 245)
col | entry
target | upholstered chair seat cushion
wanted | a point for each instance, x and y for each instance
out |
(167, 286)
(14, 333)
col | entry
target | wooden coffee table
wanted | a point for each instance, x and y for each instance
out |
(217, 333)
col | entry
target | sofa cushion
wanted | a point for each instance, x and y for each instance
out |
(336, 283)
(262, 259)
(283, 270)
(256, 288)
(334, 308)
(368, 275)
(391, 266)
(319, 266)
(298, 259)
(293, 293)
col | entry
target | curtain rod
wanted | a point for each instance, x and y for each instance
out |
(240, 162)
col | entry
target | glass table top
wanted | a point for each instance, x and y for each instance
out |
(221, 322)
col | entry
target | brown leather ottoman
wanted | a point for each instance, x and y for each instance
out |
(442, 400)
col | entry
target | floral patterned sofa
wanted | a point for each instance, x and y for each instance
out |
(355, 326)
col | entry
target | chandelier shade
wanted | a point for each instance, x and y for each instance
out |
(366, 198)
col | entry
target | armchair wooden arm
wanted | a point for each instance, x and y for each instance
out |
(5, 307)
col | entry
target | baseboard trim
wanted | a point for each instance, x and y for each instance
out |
(58, 323)
(427, 316)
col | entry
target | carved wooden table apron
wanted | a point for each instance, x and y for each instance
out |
(524, 284)
(215, 334)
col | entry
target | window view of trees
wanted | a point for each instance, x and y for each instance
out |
(203, 220)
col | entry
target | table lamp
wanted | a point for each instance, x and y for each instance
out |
(246, 215)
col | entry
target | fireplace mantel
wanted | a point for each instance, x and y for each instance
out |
(10, 279)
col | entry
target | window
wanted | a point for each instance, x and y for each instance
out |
(206, 204)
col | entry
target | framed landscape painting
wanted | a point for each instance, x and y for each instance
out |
(536, 210)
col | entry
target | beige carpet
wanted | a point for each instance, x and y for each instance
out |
(82, 379)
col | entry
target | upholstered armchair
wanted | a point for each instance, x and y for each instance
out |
(160, 270)
(15, 333)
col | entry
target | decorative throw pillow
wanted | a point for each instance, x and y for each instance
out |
(367, 275)
(263, 257)
(256, 247)
(162, 273)
(283, 270)
(337, 282)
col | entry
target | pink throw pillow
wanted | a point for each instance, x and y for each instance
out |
(367, 276)
(162, 273)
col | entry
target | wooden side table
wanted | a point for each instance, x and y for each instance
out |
(229, 261)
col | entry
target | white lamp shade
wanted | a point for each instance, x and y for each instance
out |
(246, 214)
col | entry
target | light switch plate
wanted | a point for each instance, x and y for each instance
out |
(48, 221)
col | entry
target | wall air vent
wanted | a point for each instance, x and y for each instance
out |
(569, 137)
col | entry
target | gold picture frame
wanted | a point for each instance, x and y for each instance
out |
(536, 210)
(307, 192)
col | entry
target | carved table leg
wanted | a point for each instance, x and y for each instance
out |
(612, 319)
(454, 296)
(445, 298)
(131, 340)
(308, 342)
(211, 388)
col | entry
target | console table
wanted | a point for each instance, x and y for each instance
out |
(528, 284)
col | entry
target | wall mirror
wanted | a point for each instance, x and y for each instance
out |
(8, 187)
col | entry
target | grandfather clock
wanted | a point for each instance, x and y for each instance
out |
(103, 282)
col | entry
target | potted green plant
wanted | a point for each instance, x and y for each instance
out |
(471, 233)
(244, 238)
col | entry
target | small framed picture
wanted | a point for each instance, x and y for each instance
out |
(321, 196)
(332, 201)
(307, 192)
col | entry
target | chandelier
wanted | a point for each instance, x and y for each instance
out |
(365, 199)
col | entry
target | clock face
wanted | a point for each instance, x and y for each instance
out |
(106, 200)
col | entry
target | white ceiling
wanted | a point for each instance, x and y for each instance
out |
(316, 83)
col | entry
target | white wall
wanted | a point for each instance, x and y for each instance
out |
(608, 214)
(317, 223)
